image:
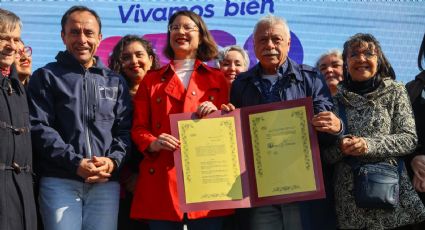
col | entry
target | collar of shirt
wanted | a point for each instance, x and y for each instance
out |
(5, 72)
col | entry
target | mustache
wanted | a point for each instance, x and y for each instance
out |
(270, 52)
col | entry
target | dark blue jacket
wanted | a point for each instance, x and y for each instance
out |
(300, 81)
(77, 113)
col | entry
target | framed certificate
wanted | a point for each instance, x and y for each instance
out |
(259, 155)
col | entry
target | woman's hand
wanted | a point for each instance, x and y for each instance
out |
(228, 107)
(326, 122)
(206, 108)
(164, 141)
(353, 146)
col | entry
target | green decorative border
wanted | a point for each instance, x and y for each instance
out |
(208, 196)
(256, 145)
(184, 140)
(230, 127)
(304, 136)
(286, 188)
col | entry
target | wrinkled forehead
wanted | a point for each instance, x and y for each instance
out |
(329, 60)
(268, 28)
(82, 18)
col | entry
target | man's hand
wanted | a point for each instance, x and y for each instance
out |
(418, 184)
(326, 122)
(103, 164)
(418, 167)
(86, 168)
(102, 172)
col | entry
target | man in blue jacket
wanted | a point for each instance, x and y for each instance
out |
(278, 78)
(81, 116)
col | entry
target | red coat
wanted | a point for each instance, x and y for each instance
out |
(162, 93)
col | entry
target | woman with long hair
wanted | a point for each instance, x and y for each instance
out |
(132, 57)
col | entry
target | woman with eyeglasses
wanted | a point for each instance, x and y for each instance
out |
(186, 84)
(23, 63)
(379, 127)
(132, 57)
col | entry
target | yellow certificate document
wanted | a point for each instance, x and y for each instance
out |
(254, 156)
(282, 153)
(210, 162)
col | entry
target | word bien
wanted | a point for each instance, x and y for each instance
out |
(251, 8)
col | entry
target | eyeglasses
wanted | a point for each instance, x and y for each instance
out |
(369, 55)
(186, 28)
(26, 51)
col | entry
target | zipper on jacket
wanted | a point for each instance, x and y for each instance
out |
(86, 115)
(96, 100)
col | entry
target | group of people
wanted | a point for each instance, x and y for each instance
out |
(99, 138)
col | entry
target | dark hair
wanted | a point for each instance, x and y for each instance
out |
(79, 8)
(114, 61)
(384, 66)
(207, 49)
(421, 55)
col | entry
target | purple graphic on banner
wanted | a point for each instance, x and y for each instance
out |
(222, 38)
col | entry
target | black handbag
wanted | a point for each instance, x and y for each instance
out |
(376, 184)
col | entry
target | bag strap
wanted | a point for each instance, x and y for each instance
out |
(352, 161)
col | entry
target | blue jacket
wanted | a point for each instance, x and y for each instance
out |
(77, 113)
(300, 81)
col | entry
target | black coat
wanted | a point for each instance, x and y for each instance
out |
(17, 204)
(414, 89)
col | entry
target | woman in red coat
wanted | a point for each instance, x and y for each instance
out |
(186, 84)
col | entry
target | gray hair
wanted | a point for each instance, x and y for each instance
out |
(9, 21)
(332, 52)
(273, 20)
(223, 53)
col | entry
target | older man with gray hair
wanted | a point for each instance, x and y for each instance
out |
(17, 205)
(278, 78)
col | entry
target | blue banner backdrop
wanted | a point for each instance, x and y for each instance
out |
(316, 26)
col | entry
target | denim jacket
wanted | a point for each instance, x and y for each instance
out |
(77, 113)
